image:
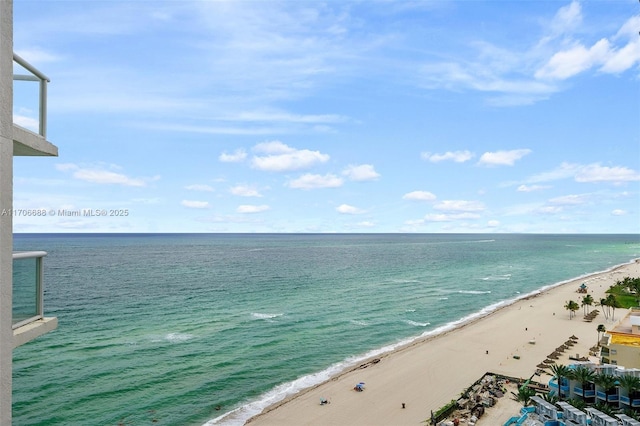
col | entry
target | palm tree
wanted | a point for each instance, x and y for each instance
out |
(578, 403)
(600, 329)
(560, 372)
(586, 302)
(635, 287)
(605, 311)
(571, 306)
(607, 382)
(613, 303)
(584, 375)
(605, 408)
(631, 384)
(524, 394)
(550, 397)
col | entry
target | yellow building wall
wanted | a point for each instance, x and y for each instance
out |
(624, 349)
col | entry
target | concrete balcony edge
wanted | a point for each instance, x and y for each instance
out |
(27, 143)
(28, 332)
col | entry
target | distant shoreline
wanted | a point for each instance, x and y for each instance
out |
(301, 404)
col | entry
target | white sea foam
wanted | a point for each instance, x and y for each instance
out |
(359, 322)
(258, 315)
(474, 291)
(417, 324)
(172, 338)
(178, 337)
(497, 277)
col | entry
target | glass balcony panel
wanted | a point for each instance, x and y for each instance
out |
(27, 287)
(29, 99)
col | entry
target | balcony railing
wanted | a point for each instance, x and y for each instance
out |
(28, 288)
(37, 76)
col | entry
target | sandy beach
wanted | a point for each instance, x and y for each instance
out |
(428, 374)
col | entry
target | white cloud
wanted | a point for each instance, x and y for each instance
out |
(244, 191)
(568, 63)
(199, 187)
(531, 188)
(502, 158)
(419, 196)
(597, 173)
(347, 209)
(281, 157)
(32, 124)
(460, 205)
(311, 181)
(63, 167)
(531, 74)
(567, 18)
(622, 59)
(273, 147)
(236, 157)
(564, 171)
(99, 175)
(604, 54)
(589, 173)
(570, 200)
(456, 156)
(550, 210)
(282, 116)
(37, 56)
(450, 217)
(195, 204)
(618, 212)
(493, 223)
(248, 208)
(363, 172)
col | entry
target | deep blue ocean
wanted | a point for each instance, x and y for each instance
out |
(183, 329)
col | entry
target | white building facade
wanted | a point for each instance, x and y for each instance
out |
(24, 320)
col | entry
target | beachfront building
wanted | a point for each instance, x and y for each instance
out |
(564, 414)
(611, 384)
(21, 287)
(621, 344)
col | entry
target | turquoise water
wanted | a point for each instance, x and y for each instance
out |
(183, 329)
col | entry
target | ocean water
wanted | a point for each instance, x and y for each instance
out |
(195, 329)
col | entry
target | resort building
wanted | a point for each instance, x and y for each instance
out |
(621, 345)
(21, 286)
(610, 384)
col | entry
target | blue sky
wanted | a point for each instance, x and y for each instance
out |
(334, 116)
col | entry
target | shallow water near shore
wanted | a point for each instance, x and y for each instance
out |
(181, 329)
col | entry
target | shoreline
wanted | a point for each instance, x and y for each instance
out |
(304, 402)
